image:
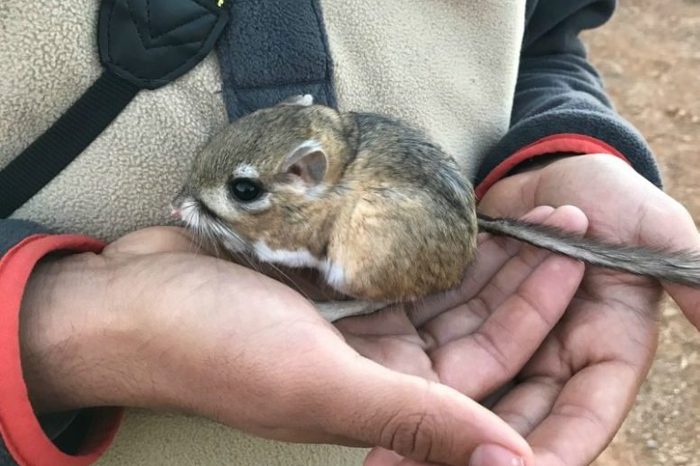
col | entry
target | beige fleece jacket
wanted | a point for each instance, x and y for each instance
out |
(448, 66)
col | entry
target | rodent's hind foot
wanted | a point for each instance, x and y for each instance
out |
(336, 310)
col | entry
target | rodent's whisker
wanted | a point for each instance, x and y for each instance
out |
(219, 233)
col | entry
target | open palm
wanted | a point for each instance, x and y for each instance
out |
(583, 380)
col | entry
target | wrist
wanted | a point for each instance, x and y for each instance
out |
(537, 163)
(66, 334)
(546, 148)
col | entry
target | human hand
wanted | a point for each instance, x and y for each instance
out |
(479, 336)
(150, 323)
(583, 381)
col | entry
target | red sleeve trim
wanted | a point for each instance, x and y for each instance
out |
(574, 143)
(20, 429)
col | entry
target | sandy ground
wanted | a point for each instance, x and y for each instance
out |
(650, 58)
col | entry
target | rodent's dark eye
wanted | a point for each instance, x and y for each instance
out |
(245, 189)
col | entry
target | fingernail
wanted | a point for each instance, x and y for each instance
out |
(494, 455)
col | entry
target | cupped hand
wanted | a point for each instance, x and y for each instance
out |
(574, 394)
(479, 336)
(150, 322)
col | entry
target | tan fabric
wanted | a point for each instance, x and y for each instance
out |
(127, 177)
(169, 440)
(448, 66)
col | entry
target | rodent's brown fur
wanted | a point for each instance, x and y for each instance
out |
(397, 217)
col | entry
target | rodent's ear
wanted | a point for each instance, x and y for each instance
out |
(308, 161)
(304, 100)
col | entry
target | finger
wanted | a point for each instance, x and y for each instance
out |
(392, 320)
(684, 236)
(401, 354)
(514, 329)
(492, 254)
(526, 405)
(417, 419)
(589, 407)
(389, 338)
(688, 299)
(505, 282)
(152, 240)
(484, 455)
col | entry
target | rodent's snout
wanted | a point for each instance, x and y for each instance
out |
(178, 203)
(175, 212)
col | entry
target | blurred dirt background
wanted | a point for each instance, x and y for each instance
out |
(649, 55)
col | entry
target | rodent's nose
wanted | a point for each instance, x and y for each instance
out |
(177, 203)
(176, 208)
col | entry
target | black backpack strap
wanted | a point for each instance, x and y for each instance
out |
(143, 45)
(64, 141)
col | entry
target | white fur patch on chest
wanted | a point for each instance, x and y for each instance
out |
(292, 258)
(333, 272)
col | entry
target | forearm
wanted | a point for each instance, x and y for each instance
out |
(53, 341)
(28, 387)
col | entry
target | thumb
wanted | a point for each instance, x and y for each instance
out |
(152, 240)
(686, 238)
(416, 418)
(688, 299)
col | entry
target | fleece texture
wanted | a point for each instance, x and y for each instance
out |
(447, 67)
(127, 177)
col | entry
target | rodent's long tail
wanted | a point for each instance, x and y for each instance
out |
(674, 266)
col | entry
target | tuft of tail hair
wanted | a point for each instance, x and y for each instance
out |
(681, 267)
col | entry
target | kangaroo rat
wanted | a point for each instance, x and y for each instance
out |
(364, 199)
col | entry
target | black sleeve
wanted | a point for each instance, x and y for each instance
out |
(559, 92)
(13, 232)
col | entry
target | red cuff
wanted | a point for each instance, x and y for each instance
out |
(574, 143)
(20, 429)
